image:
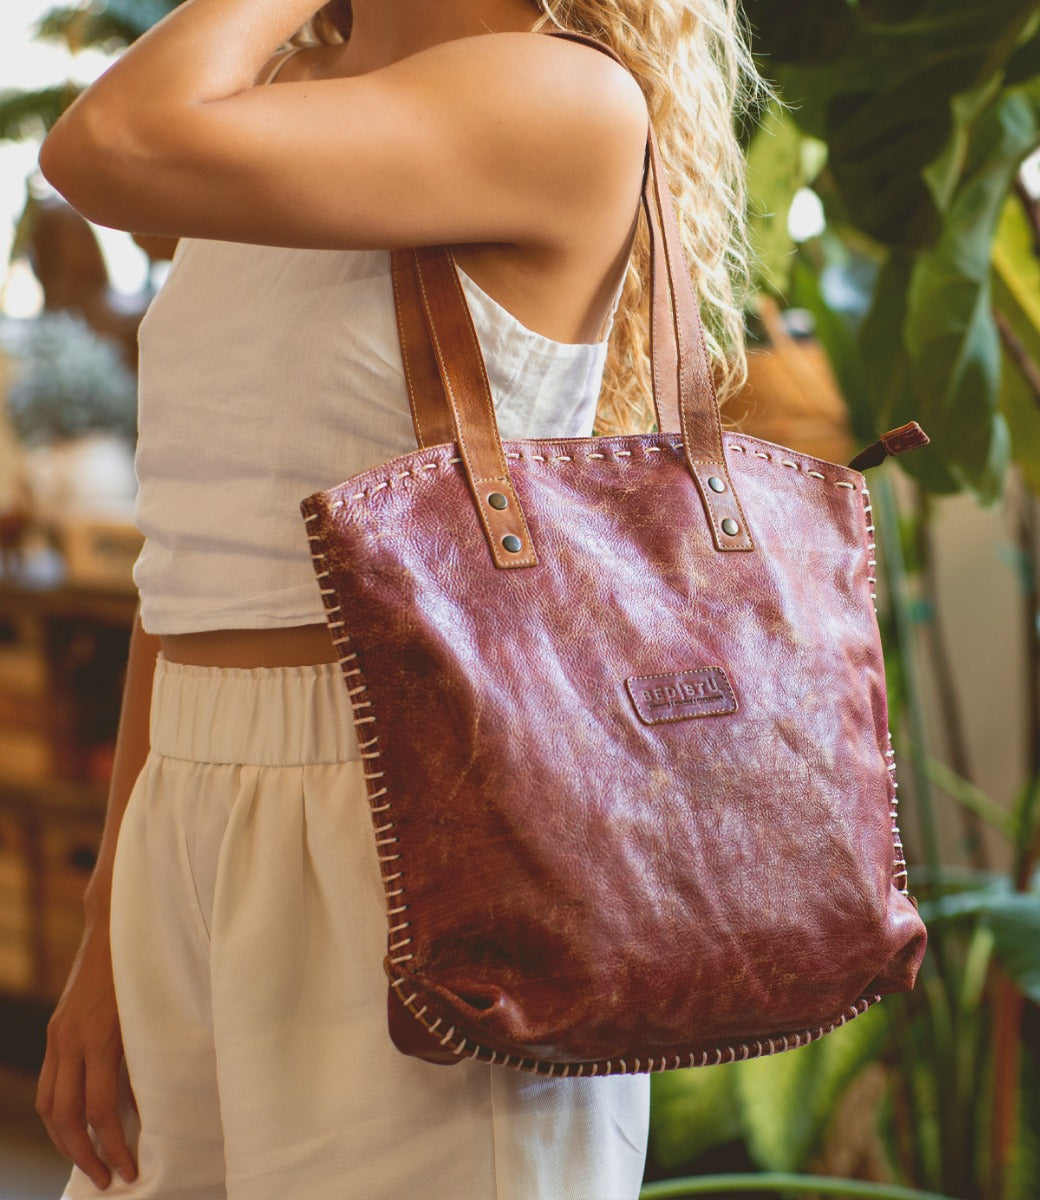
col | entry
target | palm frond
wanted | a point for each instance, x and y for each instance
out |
(31, 114)
(106, 24)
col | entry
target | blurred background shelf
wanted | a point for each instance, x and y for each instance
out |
(63, 650)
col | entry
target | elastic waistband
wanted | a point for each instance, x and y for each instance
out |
(264, 716)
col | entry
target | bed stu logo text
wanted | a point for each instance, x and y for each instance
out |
(697, 692)
(690, 692)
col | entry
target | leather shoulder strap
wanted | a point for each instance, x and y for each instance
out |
(684, 391)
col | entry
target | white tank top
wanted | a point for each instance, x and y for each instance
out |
(269, 373)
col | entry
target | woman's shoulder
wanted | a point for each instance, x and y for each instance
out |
(551, 75)
(552, 78)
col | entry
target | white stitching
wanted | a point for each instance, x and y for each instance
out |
(617, 454)
(780, 1043)
(776, 1044)
(350, 668)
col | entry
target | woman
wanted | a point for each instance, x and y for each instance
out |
(233, 945)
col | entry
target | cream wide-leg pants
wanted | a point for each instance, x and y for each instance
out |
(248, 935)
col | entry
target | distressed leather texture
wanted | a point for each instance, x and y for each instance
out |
(633, 794)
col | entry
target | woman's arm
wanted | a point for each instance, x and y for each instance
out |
(78, 1082)
(498, 138)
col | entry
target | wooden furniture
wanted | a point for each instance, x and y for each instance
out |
(63, 653)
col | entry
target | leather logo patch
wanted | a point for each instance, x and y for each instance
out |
(679, 695)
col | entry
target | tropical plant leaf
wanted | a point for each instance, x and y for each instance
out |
(1015, 261)
(1013, 918)
(1016, 294)
(952, 339)
(967, 794)
(881, 98)
(692, 1112)
(824, 30)
(885, 362)
(836, 336)
(1015, 922)
(787, 1100)
(1024, 64)
(31, 114)
(1024, 1168)
(775, 1183)
(774, 176)
(943, 175)
(1021, 411)
(108, 24)
(888, 371)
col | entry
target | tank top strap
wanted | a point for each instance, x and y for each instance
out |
(280, 59)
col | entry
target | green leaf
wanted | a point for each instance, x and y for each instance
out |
(1016, 294)
(1014, 920)
(108, 24)
(692, 1111)
(1021, 410)
(1024, 64)
(1024, 1165)
(835, 335)
(881, 344)
(787, 1100)
(785, 1184)
(944, 174)
(952, 339)
(1016, 262)
(889, 376)
(966, 794)
(30, 114)
(775, 173)
(823, 31)
(881, 100)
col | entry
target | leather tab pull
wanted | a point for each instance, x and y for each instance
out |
(897, 441)
(729, 529)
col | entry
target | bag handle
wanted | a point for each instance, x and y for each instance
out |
(450, 396)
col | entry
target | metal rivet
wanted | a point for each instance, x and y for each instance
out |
(497, 500)
(716, 484)
(512, 543)
(730, 526)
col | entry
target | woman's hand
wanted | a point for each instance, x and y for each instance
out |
(79, 1082)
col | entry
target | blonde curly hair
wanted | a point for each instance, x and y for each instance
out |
(691, 60)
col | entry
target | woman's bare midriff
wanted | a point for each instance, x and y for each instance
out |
(298, 646)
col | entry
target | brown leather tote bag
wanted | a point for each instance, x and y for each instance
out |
(621, 704)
